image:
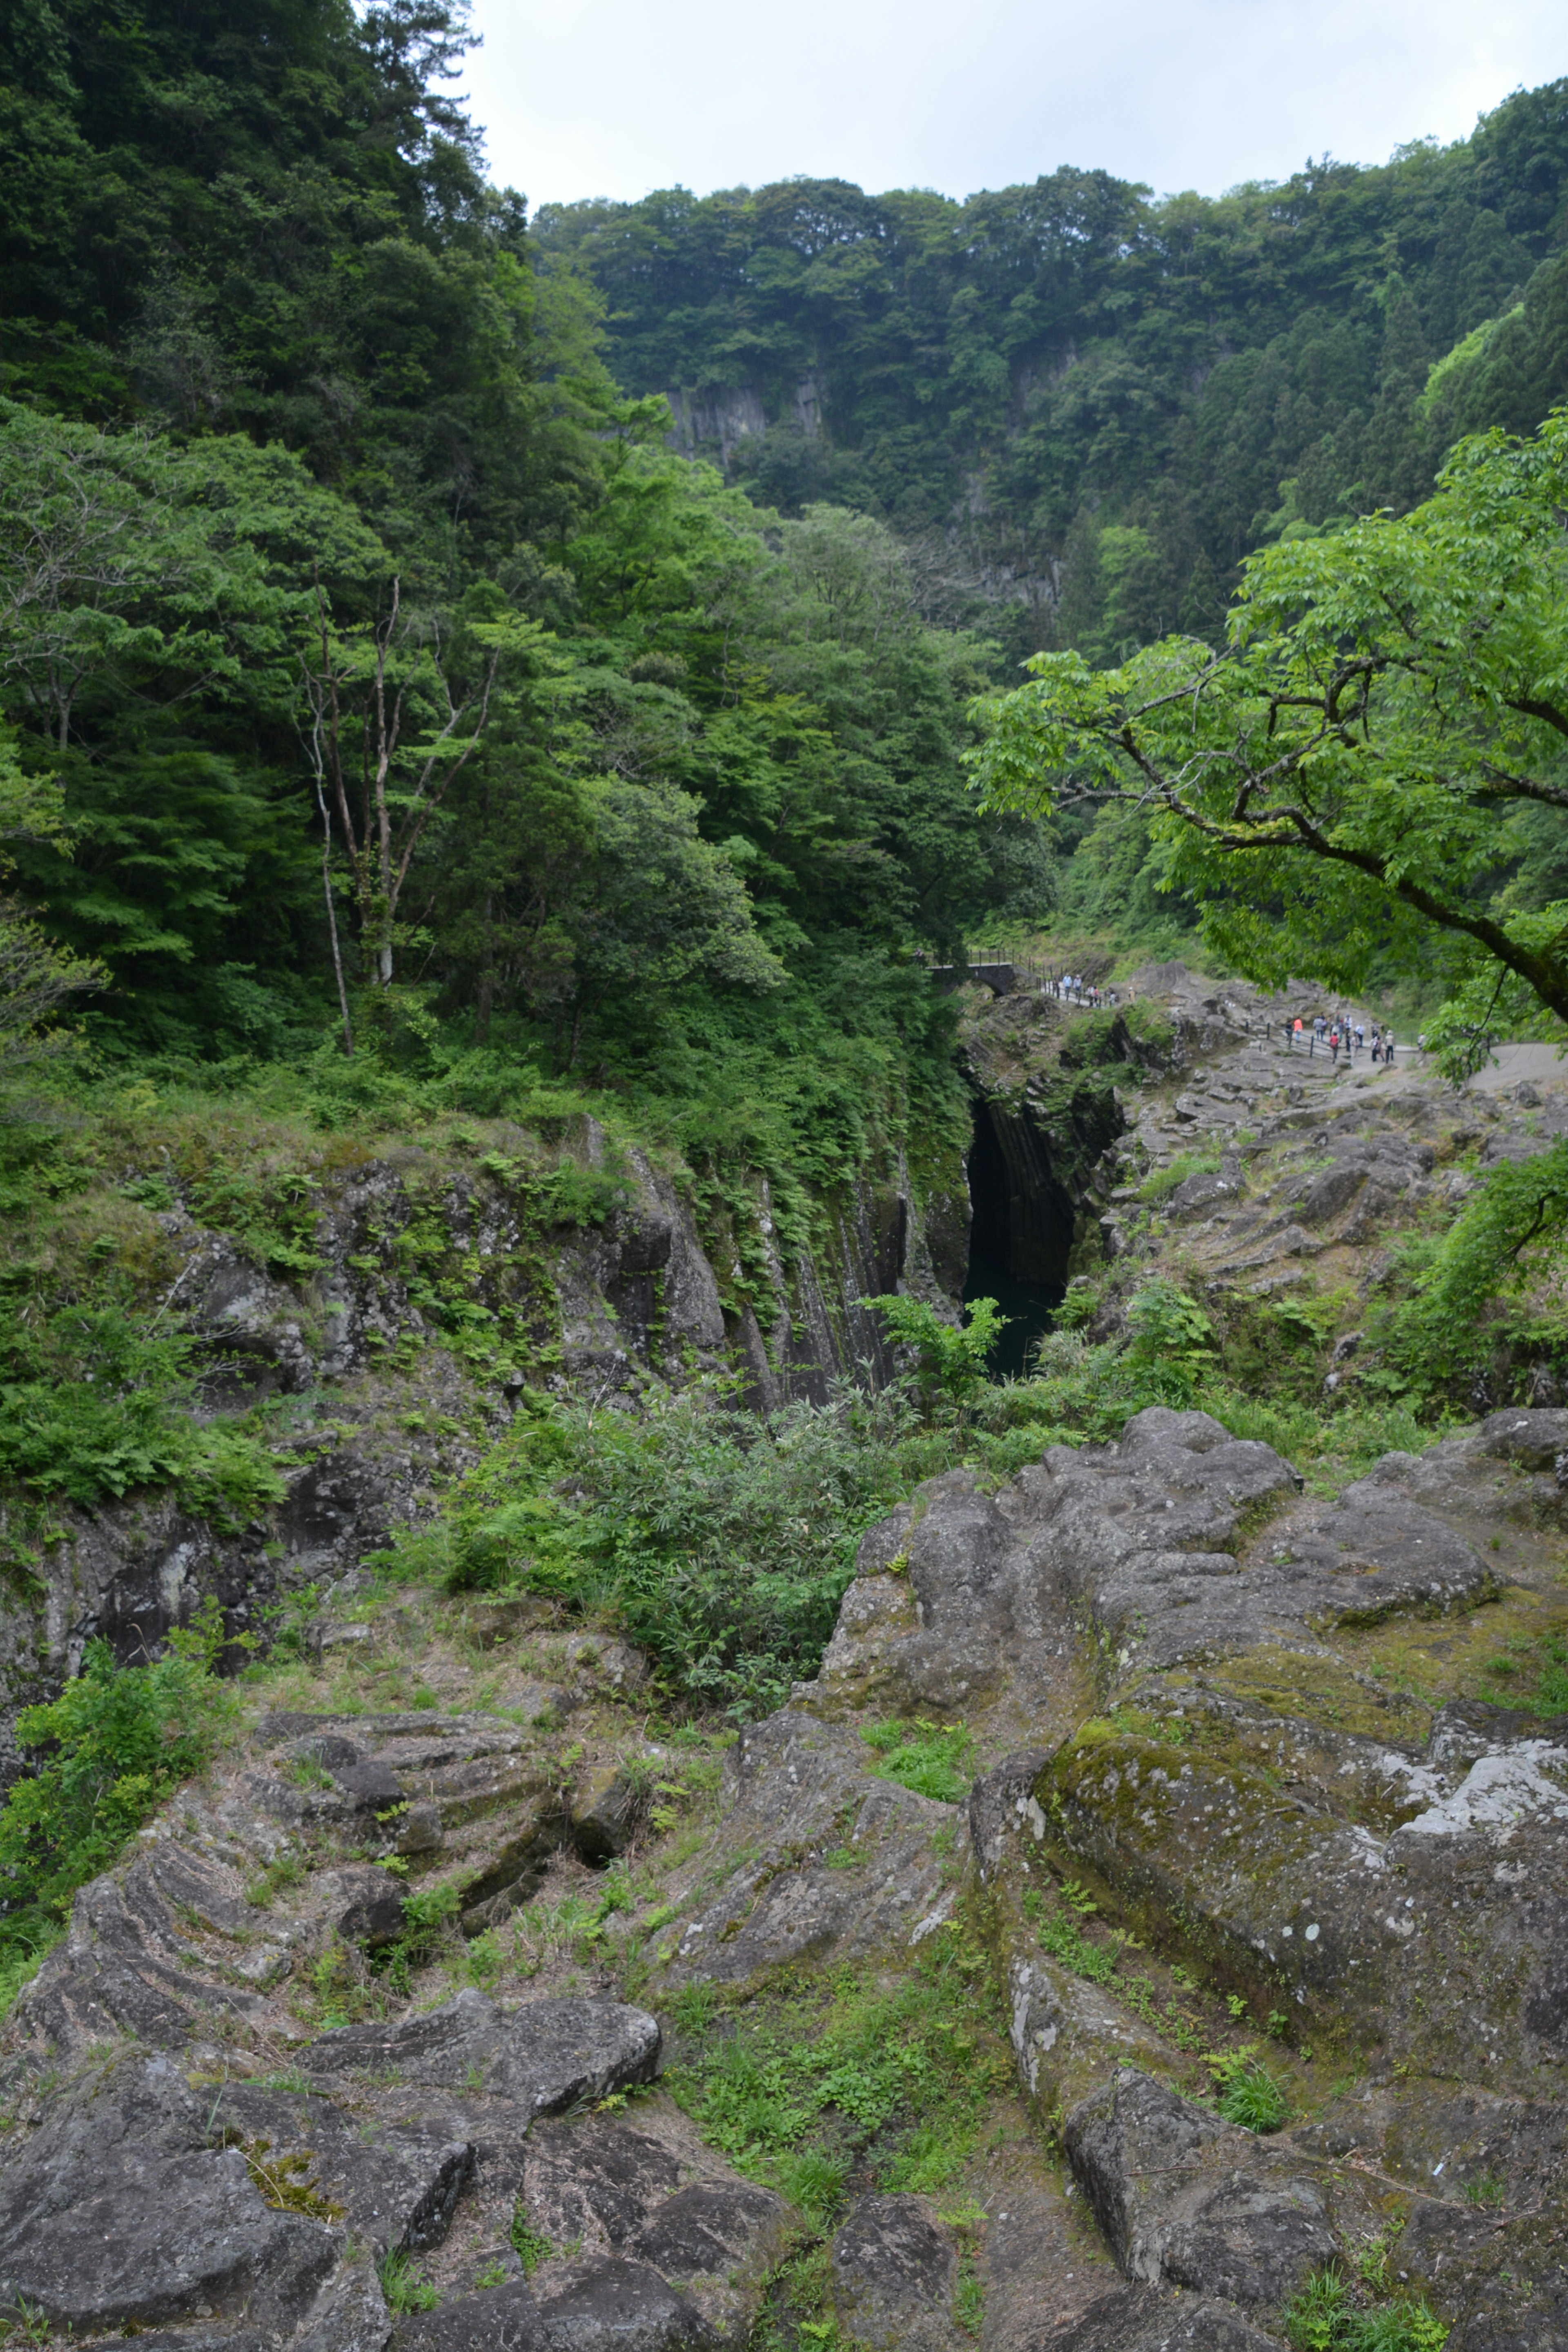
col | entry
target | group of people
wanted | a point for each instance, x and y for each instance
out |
(1072, 987)
(1338, 1033)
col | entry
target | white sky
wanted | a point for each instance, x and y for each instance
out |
(586, 98)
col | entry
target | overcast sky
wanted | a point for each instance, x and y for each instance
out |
(586, 98)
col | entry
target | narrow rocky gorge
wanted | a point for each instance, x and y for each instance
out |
(439, 1983)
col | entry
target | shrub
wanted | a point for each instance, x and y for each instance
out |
(1173, 1342)
(721, 1542)
(950, 1361)
(105, 1752)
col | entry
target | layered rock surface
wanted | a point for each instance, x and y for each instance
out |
(1234, 1803)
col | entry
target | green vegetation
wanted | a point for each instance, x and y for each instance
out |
(890, 2079)
(1324, 2318)
(1249, 2095)
(104, 1755)
(1337, 789)
(404, 2285)
(1536, 1679)
(720, 1542)
(949, 1359)
(929, 1757)
(531, 2246)
(1142, 389)
(286, 2182)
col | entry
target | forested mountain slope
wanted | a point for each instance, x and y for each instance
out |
(1085, 401)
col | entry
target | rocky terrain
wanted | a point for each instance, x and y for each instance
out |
(1151, 1908)
(382, 1311)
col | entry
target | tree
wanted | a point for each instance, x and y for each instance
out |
(396, 709)
(37, 979)
(1333, 788)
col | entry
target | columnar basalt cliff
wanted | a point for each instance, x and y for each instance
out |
(442, 1287)
(1232, 1812)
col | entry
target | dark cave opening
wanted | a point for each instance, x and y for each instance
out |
(1020, 1239)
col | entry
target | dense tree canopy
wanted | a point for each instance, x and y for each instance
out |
(1091, 403)
(375, 669)
(1334, 788)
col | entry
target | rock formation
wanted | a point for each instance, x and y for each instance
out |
(1232, 1825)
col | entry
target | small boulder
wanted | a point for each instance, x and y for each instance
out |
(604, 1813)
(893, 2275)
(503, 2319)
(367, 1903)
(1188, 2199)
(605, 2305)
(547, 2054)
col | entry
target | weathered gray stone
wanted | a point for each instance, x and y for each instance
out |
(367, 1903)
(604, 1812)
(595, 2181)
(350, 2315)
(803, 1789)
(894, 2270)
(606, 2304)
(1135, 2319)
(123, 1967)
(1188, 2199)
(118, 2209)
(502, 2320)
(397, 2185)
(545, 2055)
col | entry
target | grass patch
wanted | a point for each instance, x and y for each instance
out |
(404, 2285)
(1324, 2317)
(1164, 1182)
(1250, 2096)
(929, 1757)
(1536, 1678)
(893, 2081)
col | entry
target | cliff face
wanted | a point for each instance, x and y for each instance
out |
(1055, 1087)
(442, 1285)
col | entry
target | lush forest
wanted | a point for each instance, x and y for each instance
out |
(377, 681)
(379, 684)
(1083, 406)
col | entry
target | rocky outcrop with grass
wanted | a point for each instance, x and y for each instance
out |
(267, 1354)
(1120, 1906)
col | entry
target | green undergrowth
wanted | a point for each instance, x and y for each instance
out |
(1081, 1389)
(1536, 1677)
(929, 1757)
(822, 2091)
(104, 1393)
(1326, 2317)
(1162, 1181)
(1192, 2021)
(104, 1755)
(721, 1541)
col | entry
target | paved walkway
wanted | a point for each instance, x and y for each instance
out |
(1516, 1063)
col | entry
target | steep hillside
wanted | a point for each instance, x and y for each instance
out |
(1082, 405)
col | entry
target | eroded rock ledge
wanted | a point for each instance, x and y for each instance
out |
(1212, 1746)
